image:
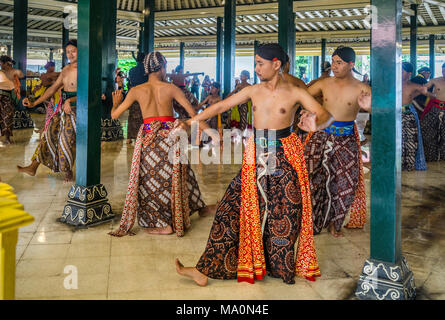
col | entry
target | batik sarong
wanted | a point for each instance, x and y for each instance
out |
(433, 130)
(57, 149)
(335, 168)
(413, 156)
(135, 120)
(6, 113)
(264, 211)
(161, 192)
(182, 113)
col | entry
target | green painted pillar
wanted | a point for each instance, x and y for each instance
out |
(432, 55)
(88, 203)
(149, 26)
(141, 37)
(20, 35)
(386, 275)
(315, 67)
(219, 49)
(65, 39)
(286, 30)
(111, 129)
(9, 50)
(51, 54)
(413, 38)
(255, 48)
(229, 45)
(182, 54)
(323, 51)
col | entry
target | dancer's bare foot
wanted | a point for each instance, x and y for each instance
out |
(8, 141)
(335, 233)
(159, 231)
(209, 210)
(39, 130)
(129, 141)
(69, 177)
(29, 170)
(102, 144)
(200, 279)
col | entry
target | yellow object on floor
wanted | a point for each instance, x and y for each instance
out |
(12, 217)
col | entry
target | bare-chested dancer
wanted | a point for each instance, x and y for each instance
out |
(433, 120)
(178, 79)
(157, 186)
(57, 150)
(248, 231)
(6, 106)
(333, 156)
(413, 157)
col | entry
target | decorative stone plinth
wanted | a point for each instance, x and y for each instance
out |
(22, 120)
(385, 281)
(112, 130)
(87, 206)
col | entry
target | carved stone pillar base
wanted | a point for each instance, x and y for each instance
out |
(22, 120)
(112, 130)
(87, 206)
(385, 281)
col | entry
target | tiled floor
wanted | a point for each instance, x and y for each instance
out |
(142, 267)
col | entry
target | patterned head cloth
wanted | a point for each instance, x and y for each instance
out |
(347, 54)
(154, 61)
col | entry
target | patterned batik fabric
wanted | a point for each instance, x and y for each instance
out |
(135, 120)
(281, 186)
(67, 140)
(333, 164)
(6, 115)
(433, 132)
(57, 149)
(410, 141)
(160, 192)
(182, 113)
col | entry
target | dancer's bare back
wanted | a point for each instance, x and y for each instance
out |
(5, 83)
(155, 99)
(439, 87)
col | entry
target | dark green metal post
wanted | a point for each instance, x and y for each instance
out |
(65, 39)
(149, 26)
(182, 54)
(219, 49)
(323, 51)
(229, 45)
(51, 54)
(413, 37)
(386, 275)
(432, 55)
(87, 204)
(141, 37)
(111, 129)
(255, 48)
(286, 30)
(315, 67)
(20, 41)
(9, 50)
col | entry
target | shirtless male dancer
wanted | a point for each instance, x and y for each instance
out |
(413, 157)
(6, 107)
(433, 120)
(161, 195)
(57, 150)
(259, 220)
(333, 156)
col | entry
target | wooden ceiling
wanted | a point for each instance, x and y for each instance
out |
(194, 22)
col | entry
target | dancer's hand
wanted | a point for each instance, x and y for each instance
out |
(103, 97)
(67, 107)
(364, 100)
(27, 103)
(308, 121)
(117, 98)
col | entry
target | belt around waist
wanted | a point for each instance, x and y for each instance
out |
(5, 92)
(164, 122)
(341, 128)
(271, 138)
(439, 104)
